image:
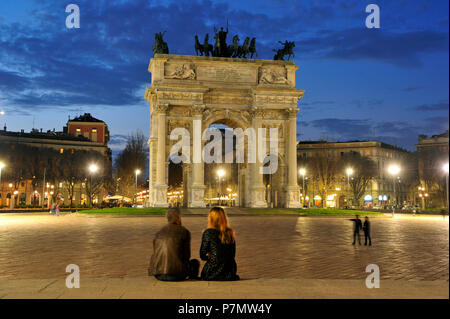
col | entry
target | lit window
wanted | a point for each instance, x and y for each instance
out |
(78, 130)
(94, 130)
(61, 151)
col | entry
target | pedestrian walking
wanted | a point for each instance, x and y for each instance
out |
(366, 229)
(356, 229)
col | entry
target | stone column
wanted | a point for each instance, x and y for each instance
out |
(198, 186)
(257, 189)
(159, 191)
(292, 198)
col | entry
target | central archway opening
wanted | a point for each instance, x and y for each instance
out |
(224, 180)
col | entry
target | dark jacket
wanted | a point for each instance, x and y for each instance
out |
(366, 227)
(357, 226)
(171, 252)
(220, 265)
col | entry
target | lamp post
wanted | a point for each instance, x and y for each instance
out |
(394, 170)
(92, 169)
(1, 166)
(1, 185)
(220, 174)
(302, 172)
(349, 172)
(137, 172)
(422, 195)
(445, 168)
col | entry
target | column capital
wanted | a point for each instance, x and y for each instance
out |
(160, 108)
(292, 112)
(198, 109)
(256, 111)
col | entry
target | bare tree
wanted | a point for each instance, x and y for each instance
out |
(323, 169)
(432, 161)
(364, 169)
(133, 157)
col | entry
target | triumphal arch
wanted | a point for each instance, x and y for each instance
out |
(240, 93)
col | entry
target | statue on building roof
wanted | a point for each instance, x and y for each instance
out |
(160, 46)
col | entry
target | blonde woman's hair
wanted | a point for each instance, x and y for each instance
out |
(217, 219)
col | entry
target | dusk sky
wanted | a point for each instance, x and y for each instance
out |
(390, 84)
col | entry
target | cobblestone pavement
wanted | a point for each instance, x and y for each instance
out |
(407, 248)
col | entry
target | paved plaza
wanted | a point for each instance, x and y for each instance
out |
(271, 250)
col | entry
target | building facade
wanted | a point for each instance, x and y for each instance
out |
(30, 175)
(380, 190)
(432, 154)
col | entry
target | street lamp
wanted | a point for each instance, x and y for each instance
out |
(349, 172)
(445, 169)
(302, 172)
(394, 170)
(220, 174)
(1, 166)
(137, 172)
(422, 196)
(92, 169)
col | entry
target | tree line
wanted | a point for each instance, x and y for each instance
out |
(328, 172)
(68, 167)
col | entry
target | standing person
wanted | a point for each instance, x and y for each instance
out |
(172, 250)
(218, 248)
(52, 206)
(366, 228)
(356, 229)
(57, 208)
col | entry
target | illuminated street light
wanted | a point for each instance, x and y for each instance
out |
(349, 172)
(93, 168)
(422, 196)
(394, 170)
(302, 172)
(1, 166)
(136, 172)
(220, 173)
(445, 169)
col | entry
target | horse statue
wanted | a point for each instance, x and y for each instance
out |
(207, 48)
(160, 46)
(198, 46)
(252, 48)
(233, 49)
(288, 49)
(244, 48)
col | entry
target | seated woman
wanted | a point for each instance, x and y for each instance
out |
(218, 248)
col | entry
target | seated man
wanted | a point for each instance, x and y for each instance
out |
(172, 250)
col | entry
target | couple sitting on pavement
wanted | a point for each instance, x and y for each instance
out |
(172, 250)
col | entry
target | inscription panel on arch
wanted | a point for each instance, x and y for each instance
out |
(225, 73)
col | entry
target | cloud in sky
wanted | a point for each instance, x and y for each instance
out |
(46, 67)
(442, 106)
(397, 132)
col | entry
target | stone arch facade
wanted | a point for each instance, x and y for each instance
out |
(240, 93)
